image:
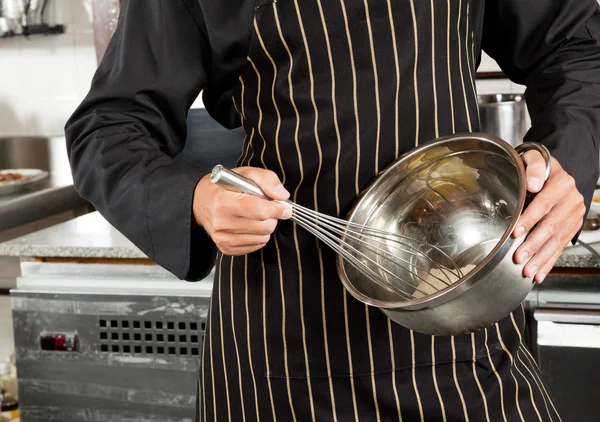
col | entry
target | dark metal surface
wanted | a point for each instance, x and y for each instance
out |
(42, 199)
(98, 383)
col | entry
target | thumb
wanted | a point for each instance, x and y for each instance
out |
(535, 170)
(267, 180)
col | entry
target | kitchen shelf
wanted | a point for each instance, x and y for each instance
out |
(37, 30)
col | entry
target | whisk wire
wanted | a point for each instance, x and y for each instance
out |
(349, 230)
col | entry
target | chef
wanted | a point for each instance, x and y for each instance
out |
(329, 93)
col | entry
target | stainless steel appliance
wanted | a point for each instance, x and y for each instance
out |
(114, 343)
(504, 116)
(565, 327)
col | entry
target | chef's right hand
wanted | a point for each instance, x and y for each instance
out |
(239, 223)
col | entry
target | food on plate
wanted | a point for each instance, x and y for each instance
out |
(12, 177)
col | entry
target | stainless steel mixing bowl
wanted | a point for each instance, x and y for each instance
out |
(463, 194)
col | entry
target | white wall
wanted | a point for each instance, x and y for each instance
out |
(43, 78)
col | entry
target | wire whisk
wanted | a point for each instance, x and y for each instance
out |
(405, 266)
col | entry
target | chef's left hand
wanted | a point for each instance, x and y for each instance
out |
(558, 210)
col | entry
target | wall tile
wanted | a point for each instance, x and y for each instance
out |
(493, 86)
(47, 116)
(12, 117)
(45, 77)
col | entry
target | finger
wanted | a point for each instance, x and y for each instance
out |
(553, 224)
(252, 227)
(236, 205)
(558, 186)
(547, 267)
(242, 250)
(254, 208)
(535, 169)
(228, 242)
(267, 180)
(543, 261)
(552, 246)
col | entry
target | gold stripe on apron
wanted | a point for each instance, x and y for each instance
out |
(283, 332)
(212, 368)
(458, 389)
(470, 59)
(397, 66)
(393, 358)
(435, 100)
(514, 364)
(497, 376)
(262, 44)
(511, 372)
(377, 140)
(224, 363)
(415, 86)
(357, 190)
(351, 369)
(370, 344)
(354, 94)
(376, 80)
(435, 382)
(264, 312)
(291, 88)
(235, 343)
(334, 107)
(487, 415)
(320, 155)
(337, 203)
(414, 377)
(450, 70)
(460, 61)
(248, 337)
(202, 370)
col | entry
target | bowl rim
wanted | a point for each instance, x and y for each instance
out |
(467, 282)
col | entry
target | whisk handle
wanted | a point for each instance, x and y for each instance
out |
(225, 177)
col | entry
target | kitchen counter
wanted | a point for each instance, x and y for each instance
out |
(39, 200)
(48, 197)
(88, 236)
(91, 236)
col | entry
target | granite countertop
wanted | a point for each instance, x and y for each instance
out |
(88, 236)
(579, 257)
(91, 236)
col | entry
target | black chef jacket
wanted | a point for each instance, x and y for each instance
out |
(328, 93)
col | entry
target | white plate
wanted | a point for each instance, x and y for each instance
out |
(29, 176)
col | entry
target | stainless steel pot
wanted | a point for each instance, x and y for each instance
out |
(504, 116)
(464, 194)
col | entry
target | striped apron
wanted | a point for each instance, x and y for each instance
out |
(332, 92)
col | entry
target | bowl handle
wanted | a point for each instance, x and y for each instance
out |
(528, 146)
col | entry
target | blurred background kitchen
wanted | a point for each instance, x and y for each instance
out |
(91, 329)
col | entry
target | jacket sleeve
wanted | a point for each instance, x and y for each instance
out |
(124, 138)
(553, 47)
